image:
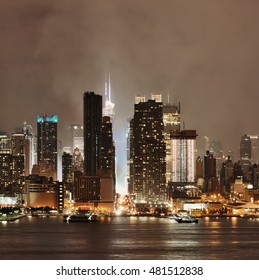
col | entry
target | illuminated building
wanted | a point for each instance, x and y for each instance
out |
(107, 161)
(41, 193)
(130, 157)
(47, 144)
(156, 97)
(77, 146)
(139, 98)
(30, 149)
(183, 152)
(171, 119)
(78, 162)
(20, 145)
(254, 148)
(11, 174)
(12, 165)
(107, 152)
(147, 152)
(77, 138)
(5, 142)
(6, 167)
(67, 171)
(108, 109)
(245, 156)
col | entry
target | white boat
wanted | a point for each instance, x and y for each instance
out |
(85, 216)
(184, 218)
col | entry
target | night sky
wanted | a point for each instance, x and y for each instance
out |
(202, 53)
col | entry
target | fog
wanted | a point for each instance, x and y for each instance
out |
(201, 53)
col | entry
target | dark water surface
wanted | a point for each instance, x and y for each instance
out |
(129, 238)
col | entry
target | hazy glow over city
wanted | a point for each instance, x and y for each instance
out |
(202, 54)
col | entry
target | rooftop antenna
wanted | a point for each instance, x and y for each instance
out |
(105, 87)
(109, 82)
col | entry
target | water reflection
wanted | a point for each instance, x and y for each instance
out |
(130, 238)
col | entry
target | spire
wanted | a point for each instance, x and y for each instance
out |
(105, 87)
(108, 109)
(109, 88)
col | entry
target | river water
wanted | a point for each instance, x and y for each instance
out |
(129, 238)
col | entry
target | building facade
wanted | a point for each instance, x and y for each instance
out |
(77, 138)
(98, 177)
(171, 119)
(92, 132)
(148, 152)
(47, 144)
(246, 156)
(183, 151)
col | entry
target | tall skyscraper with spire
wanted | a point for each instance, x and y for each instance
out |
(97, 184)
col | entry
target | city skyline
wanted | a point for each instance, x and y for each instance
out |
(203, 55)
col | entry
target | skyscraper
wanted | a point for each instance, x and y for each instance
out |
(97, 184)
(31, 147)
(77, 138)
(227, 174)
(217, 151)
(254, 148)
(183, 145)
(107, 161)
(245, 156)
(210, 174)
(47, 144)
(148, 152)
(92, 132)
(12, 157)
(107, 152)
(171, 119)
(20, 155)
(6, 171)
(67, 171)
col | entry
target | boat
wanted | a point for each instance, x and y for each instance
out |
(184, 219)
(84, 216)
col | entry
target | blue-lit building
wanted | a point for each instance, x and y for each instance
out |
(47, 140)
